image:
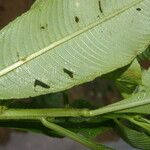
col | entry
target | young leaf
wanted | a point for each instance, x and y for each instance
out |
(141, 122)
(58, 44)
(135, 138)
(145, 55)
(144, 109)
(146, 79)
(130, 79)
(127, 78)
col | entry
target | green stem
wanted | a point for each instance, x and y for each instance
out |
(76, 137)
(70, 112)
(36, 114)
(114, 107)
(142, 124)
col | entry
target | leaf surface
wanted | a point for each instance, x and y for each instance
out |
(135, 138)
(145, 88)
(58, 44)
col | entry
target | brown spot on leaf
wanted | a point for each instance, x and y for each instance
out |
(98, 16)
(77, 19)
(43, 26)
(69, 73)
(41, 84)
(138, 9)
(100, 6)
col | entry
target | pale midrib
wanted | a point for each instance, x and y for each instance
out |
(65, 39)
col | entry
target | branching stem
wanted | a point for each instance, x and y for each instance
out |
(36, 114)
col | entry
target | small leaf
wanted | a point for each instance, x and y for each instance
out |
(141, 122)
(145, 55)
(130, 79)
(135, 138)
(127, 78)
(144, 109)
(146, 78)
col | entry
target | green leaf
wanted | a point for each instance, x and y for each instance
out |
(144, 109)
(130, 79)
(142, 96)
(135, 138)
(58, 44)
(89, 127)
(145, 55)
(141, 122)
(133, 75)
(146, 79)
(127, 79)
(91, 133)
(129, 74)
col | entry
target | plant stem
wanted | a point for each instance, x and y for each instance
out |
(36, 114)
(114, 107)
(135, 120)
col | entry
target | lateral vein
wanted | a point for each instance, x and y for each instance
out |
(65, 39)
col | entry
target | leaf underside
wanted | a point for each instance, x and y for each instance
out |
(58, 44)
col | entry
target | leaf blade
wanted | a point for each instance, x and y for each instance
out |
(137, 139)
(48, 69)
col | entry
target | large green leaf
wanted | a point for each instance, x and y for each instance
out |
(62, 43)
